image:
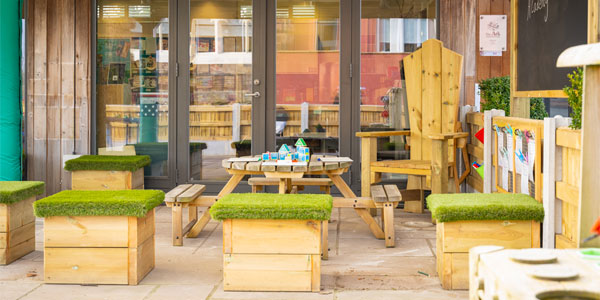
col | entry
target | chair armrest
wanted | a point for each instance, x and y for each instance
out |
(448, 136)
(375, 134)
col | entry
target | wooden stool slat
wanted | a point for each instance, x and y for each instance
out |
(172, 195)
(393, 193)
(191, 193)
(378, 193)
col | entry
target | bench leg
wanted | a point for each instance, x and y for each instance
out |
(325, 240)
(204, 219)
(282, 185)
(192, 213)
(254, 189)
(177, 224)
(388, 224)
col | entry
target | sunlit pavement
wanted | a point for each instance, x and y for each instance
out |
(359, 267)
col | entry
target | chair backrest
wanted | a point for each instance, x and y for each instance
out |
(433, 81)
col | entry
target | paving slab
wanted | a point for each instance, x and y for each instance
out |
(359, 266)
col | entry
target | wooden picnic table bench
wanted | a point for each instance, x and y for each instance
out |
(190, 195)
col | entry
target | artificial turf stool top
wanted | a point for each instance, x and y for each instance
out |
(15, 191)
(273, 207)
(467, 207)
(134, 203)
(107, 163)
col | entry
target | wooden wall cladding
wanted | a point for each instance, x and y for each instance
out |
(58, 87)
(459, 30)
(493, 66)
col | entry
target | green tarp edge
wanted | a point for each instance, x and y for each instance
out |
(10, 85)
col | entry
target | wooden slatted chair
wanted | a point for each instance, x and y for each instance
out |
(433, 78)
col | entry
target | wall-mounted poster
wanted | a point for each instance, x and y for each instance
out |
(492, 35)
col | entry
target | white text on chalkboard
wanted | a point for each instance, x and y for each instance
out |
(536, 6)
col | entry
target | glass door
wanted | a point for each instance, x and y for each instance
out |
(134, 83)
(217, 93)
(308, 74)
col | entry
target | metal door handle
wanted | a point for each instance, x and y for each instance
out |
(255, 95)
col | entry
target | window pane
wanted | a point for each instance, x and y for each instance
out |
(390, 30)
(132, 79)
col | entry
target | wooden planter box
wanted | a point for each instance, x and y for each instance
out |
(96, 180)
(17, 230)
(271, 255)
(98, 249)
(454, 239)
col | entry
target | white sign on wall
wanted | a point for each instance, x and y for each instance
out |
(492, 35)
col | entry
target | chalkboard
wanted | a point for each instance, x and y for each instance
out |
(545, 29)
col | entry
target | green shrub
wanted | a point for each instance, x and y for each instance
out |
(575, 96)
(496, 94)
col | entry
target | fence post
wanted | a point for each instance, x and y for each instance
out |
(304, 116)
(236, 122)
(552, 172)
(488, 147)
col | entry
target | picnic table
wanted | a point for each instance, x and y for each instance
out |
(189, 195)
(330, 166)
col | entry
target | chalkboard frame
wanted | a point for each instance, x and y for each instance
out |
(514, 57)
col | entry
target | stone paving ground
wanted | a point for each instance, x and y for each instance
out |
(359, 267)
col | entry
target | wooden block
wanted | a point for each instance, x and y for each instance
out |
(226, 164)
(283, 236)
(269, 272)
(141, 261)
(378, 193)
(17, 236)
(86, 265)
(300, 168)
(455, 271)
(239, 165)
(268, 167)
(87, 231)
(17, 230)
(107, 180)
(463, 235)
(191, 193)
(16, 214)
(315, 166)
(253, 166)
(172, 195)
(562, 242)
(9, 255)
(77, 251)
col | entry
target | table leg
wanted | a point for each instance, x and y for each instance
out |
(282, 188)
(231, 185)
(362, 212)
(288, 185)
(205, 218)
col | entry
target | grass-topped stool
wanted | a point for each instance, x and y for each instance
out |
(272, 242)
(107, 172)
(98, 237)
(468, 220)
(17, 222)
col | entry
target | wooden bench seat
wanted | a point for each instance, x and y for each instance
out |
(387, 197)
(257, 183)
(187, 195)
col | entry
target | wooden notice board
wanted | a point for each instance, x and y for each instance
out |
(541, 30)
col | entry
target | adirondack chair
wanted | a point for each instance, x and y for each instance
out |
(433, 77)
